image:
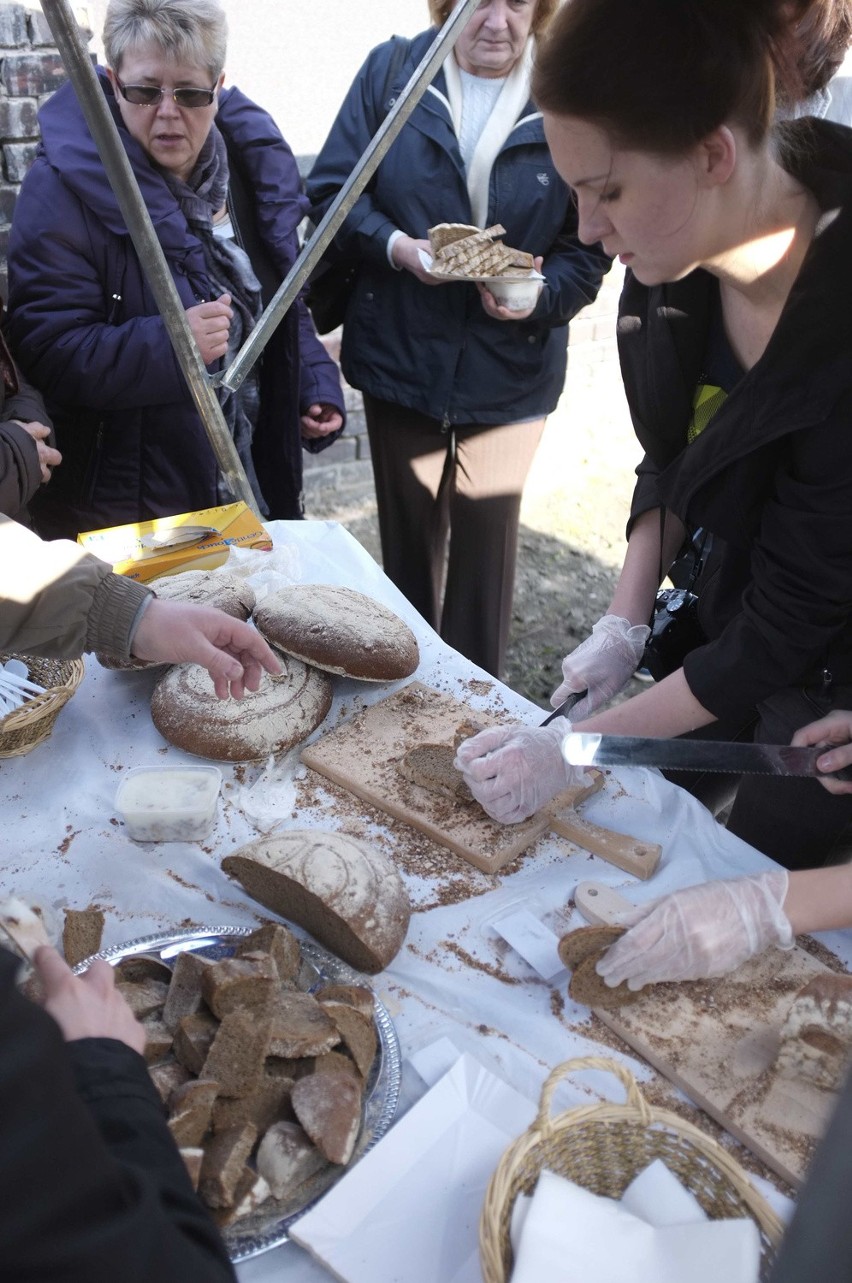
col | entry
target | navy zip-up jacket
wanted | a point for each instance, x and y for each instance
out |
(85, 327)
(434, 349)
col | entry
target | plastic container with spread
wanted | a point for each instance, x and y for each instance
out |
(169, 803)
(518, 294)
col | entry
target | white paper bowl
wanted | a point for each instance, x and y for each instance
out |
(169, 803)
(518, 294)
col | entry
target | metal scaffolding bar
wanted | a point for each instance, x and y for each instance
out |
(313, 251)
(78, 64)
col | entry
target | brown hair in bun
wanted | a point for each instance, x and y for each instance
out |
(660, 75)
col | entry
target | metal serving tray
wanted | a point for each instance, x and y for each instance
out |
(269, 1226)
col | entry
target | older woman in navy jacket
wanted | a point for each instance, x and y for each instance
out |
(222, 189)
(456, 389)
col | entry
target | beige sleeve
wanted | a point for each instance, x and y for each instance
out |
(57, 600)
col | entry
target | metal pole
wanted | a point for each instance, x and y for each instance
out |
(78, 64)
(313, 251)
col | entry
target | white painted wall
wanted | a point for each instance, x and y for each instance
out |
(297, 58)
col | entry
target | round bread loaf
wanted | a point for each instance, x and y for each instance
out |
(280, 714)
(340, 630)
(345, 893)
(226, 592)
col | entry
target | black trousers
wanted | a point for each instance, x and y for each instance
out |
(795, 821)
(449, 510)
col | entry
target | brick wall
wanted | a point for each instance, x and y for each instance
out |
(30, 69)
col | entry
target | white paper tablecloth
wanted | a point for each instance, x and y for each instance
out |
(61, 846)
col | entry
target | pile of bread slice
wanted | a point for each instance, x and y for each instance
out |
(263, 1081)
(471, 253)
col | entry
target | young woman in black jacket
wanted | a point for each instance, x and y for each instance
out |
(735, 335)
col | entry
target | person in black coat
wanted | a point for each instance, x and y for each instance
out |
(92, 1186)
(734, 336)
(27, 456)
(456, 387)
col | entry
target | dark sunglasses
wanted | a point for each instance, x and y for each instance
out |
(152, 95)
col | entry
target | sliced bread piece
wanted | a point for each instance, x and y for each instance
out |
(224, 1159)
(287, 1157)
(431, 767)
(82, 934)
(329, 1108)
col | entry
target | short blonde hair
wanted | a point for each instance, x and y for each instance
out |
(194, 32)
(440, 10)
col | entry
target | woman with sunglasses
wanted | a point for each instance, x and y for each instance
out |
(223, 191)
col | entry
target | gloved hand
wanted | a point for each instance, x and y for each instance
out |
(513, 771)
(603, 664)
(703, 931)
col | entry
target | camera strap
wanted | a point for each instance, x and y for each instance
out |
(698, 557)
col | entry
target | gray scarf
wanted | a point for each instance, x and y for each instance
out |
(230, 272)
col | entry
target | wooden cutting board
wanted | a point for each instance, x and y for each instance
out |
(362, 756)
(717, 1039)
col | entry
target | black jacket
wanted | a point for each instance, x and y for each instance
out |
(771, 476)
(20, 470)
(92, 1187)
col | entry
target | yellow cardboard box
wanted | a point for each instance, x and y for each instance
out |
(130, 553)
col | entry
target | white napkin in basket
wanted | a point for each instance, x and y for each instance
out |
(567, 1234)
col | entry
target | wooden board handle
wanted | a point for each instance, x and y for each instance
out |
(639, 858)
(600, 904)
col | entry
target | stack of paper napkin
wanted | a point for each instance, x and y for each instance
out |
(656, 1233)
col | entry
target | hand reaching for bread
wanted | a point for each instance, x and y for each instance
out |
(87, 1006)
(234, 654)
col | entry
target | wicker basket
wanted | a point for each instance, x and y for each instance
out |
(28, 726)
(603, 1147)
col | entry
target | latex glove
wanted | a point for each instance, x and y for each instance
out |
(702, 931)
(603, 664)
(513, 771)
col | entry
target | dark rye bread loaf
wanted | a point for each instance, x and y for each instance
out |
(283, 712)
(228, 593)
(340, 630)
(346, 894)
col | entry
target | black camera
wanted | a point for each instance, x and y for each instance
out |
(675, 631)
